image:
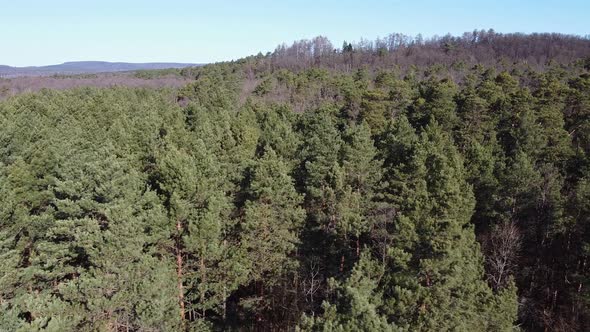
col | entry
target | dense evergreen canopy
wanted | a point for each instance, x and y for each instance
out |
(340, 191)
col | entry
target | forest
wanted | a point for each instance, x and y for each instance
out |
(400, 184)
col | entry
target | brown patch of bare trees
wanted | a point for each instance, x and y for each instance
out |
(501, 247)
(477, 47)
(17, 85)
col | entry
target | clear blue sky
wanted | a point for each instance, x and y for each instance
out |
(40, 32)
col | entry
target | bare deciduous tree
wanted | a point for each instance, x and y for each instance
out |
(501, 248)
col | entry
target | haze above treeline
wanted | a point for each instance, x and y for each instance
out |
(86, 67)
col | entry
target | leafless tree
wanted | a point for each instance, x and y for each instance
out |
(501, 248)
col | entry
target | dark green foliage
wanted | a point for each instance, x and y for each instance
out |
(356, 302)
(337, 192)
(437, 273)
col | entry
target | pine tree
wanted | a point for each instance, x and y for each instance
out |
(436, 280)
(355, 303)
(190, 183)
(435, 103)
(270, 223)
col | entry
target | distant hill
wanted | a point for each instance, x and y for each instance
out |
(86, 67)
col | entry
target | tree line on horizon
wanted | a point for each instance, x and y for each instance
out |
(281, 193)
(483, 47)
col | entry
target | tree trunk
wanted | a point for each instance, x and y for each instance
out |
(179, 274)
(202, 268)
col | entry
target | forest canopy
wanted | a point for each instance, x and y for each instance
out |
(400, 184)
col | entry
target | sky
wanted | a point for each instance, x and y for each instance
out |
(42, 32)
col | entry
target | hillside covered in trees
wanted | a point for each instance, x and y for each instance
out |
(400, 184)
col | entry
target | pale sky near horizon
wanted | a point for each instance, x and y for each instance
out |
(37, 32)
